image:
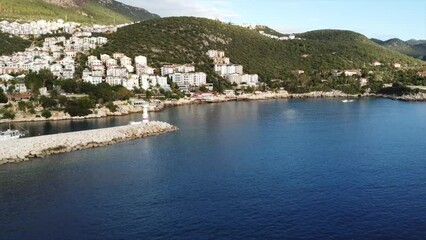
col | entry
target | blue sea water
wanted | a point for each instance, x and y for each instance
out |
(279, 169)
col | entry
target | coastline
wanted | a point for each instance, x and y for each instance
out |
(268, 96)
(419, 97)
(24, 149)
(128, 109)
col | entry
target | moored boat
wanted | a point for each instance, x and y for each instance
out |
(11, 134)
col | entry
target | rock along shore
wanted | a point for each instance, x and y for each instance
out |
(419, 97)
(24, 149)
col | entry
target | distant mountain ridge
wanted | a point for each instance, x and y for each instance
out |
(413, 48)
(416, 42)
(83, 11)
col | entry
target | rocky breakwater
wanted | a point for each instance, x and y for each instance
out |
(24, 149)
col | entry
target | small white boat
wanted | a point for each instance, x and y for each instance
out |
(348, 100)
(10, 134)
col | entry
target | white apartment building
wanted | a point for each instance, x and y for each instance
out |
(227, 69)
(111, 62)
(144, 70)
(101, 40)
(144, 81)
(243, 79)
(91, 59)
(147, 81)
(113, 81)
(170, 69)
(132, 82)
(189, 79)
(118, 55)
(125, 61)
(93, 77)
(105, 57)
(130, 68)
(117, 72)
(141, 61)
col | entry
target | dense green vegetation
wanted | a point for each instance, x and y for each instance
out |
(7, 113)
(186, 40)
(133, 13)
(83, 100)
(34, 81)
(3, 97)
(91, 11)
(269, 30)
(398, 89)
(413, 48)
(350, 49)
(101, 93)
(10, 44)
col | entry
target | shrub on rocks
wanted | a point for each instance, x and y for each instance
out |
(8, 115)
(112, 107)
(3, 98)
(46, 114)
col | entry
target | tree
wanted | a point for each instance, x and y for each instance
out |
(9, 115)
(203, 89)
(85, 103)
(47, 102)
(62, 100)
(249, 90)
(3, 97)
(46, 114)
(148, 95)
(54, 94)
(113, 108)
(22, 106)
(80, 107)
(11, 89)
(123, 93)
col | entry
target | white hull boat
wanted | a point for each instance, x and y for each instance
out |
(10, 134)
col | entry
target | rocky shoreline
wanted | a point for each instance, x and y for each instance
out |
(128, 109)
(266, 96)
(24, 149)
(61, 116)
(419, 97)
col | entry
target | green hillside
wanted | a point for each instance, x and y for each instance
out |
(413, 48)
(10, 44)
(186, 39)
(90, 11)
(133, 13)
(269, 30)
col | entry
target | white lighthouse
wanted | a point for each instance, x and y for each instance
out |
(145, 114)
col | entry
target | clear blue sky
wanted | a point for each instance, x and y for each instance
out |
(381, 19)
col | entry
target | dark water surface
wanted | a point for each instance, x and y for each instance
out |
(296, 169)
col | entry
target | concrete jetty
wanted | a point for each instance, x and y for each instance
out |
(24, 149)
